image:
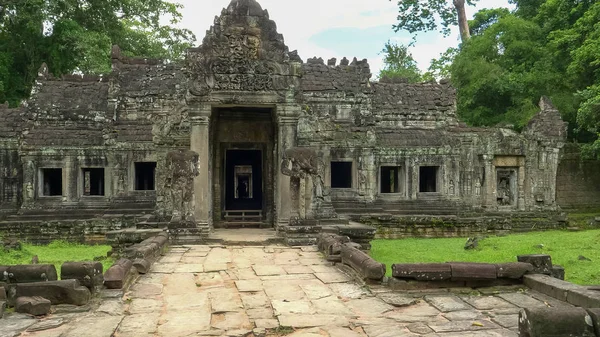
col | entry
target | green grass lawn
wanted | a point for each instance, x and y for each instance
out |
(56, 253)
(564, 247)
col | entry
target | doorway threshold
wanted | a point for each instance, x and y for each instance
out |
(245, 237)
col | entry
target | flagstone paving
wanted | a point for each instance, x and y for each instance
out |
(276, 291)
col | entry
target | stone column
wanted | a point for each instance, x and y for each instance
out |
(489, 185)
(287, 126)
(200, 143)
(521, 185)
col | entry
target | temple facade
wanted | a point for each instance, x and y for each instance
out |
(244, 132)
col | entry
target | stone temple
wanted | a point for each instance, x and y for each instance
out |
(244, 132)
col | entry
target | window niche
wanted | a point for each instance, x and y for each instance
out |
(341, 174)
(506, 186)
(93, 181)
(145, 176)
(428, 179)
(390, 179)
(51, 182)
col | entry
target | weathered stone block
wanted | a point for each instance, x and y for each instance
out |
(513, 270)
(595, 315)
(35, 306)
(29, 273)
(423, 271)
(88, 273)
(2, 308)
(565, 321)
(58, 292)
(473, 271)
(542, 263)
(362, 263)
(558, 272)
(116, 276)
(2, 294)
(142, 265)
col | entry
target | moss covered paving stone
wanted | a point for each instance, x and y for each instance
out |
(566, 249)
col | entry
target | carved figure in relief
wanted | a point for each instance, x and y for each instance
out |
(182, 168)
(302, 162)
(477, 187)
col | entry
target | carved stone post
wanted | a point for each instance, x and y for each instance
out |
(489, 185)
(287, 123)
(200, 119)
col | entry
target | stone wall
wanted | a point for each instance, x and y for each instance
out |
(578, 180)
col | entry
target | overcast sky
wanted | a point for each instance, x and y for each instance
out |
(334, 28)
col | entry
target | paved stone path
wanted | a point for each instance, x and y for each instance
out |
(275, 291)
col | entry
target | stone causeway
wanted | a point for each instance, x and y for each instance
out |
(218, 290)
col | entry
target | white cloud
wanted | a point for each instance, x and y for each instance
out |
(299, 21)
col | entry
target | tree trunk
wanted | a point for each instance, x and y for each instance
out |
(463, 25)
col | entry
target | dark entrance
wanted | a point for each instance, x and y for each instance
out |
(243, 180)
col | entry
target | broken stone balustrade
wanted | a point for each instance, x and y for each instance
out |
(36, 306)
(28, 273)
(562, 321)
(339, 248)
(58, 292)
(88, 273)
(119, 275)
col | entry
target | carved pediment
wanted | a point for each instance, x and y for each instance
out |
(242, 51)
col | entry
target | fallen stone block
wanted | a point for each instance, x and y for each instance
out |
(595, 315)
(513, 270)
(58, 292)
(558, 272)
(36, 305)
(29, 273)
(472, 271)
(565, 321)
(362, 263)
(331, 244)
(117, 275)
(142, 265)
(2, 308)
(423, 271)
(88, 273)
(542, 263)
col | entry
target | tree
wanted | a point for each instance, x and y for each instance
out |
(399, 63)
(77, 35)
(418, 16)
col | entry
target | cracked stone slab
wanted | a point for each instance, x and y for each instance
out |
(337, 277)
(225, 301)
(308, 321)
(46, 325)
(95, 326)
(249, 285)
(388, 331)
(371, 306)
(231, 321)
(487, 302)
(463, 315)
(268, 270)
(459, 326)
(447, 303)
(420, 312)
(397, 300)
(297, 269)
(316, 291)
(507, 321)
(139, 324)
(522, 300)
(282, 307)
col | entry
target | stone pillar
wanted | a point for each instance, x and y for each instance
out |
(200, 143)
(30, 184)
(521, 184)
(489, 185)
(287, 125)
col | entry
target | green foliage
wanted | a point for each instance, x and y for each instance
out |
(399, 63)
(57, 253)
(431, 15)
(77, 35)
(564, 247)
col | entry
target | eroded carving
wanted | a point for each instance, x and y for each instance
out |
(183, 168)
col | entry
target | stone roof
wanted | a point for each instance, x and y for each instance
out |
(10, 121)
(78, 134)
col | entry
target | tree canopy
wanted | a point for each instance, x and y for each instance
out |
(399, 63)
(542, 47)
(77, 35)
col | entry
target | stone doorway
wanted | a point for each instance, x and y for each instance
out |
(244, 171)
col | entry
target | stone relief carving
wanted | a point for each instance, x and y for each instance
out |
(182, 168)
(506, 187)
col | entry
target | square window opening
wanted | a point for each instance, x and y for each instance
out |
(428, 176)
(145, 176)
(341, 174)
(52, 182)
(390, 179)
(93, 181)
